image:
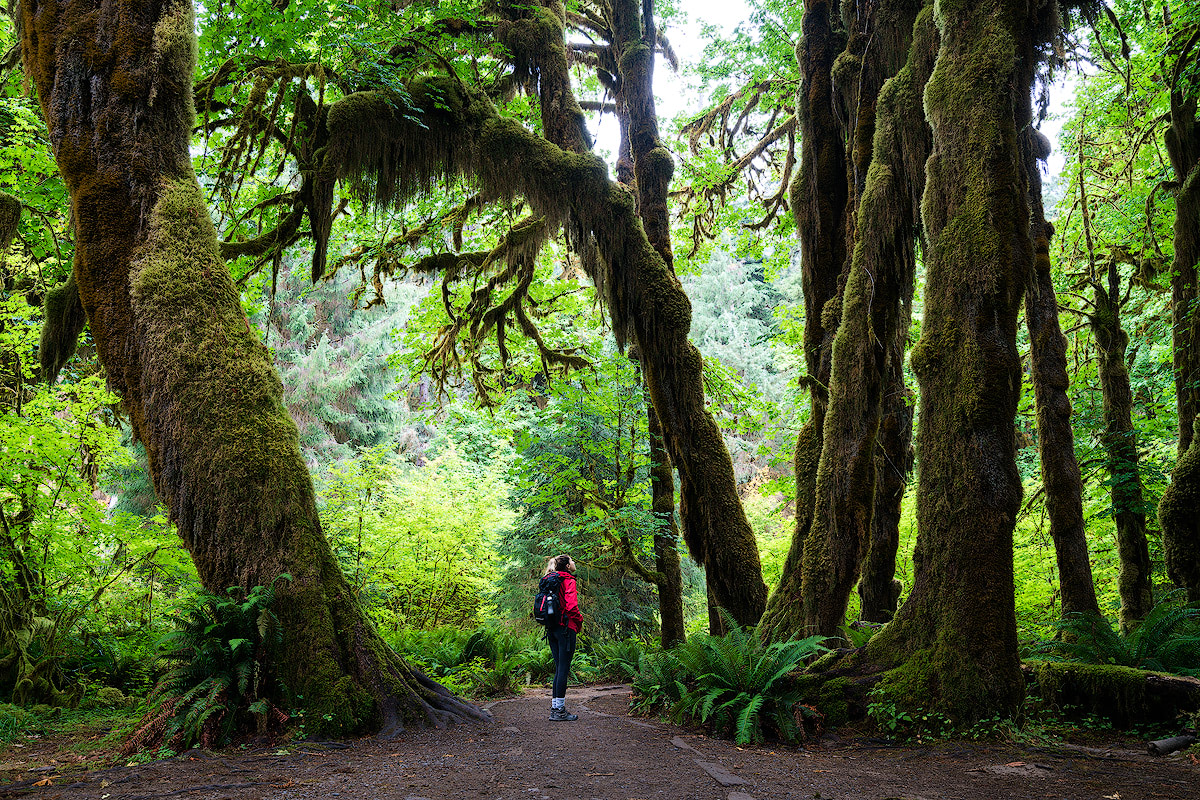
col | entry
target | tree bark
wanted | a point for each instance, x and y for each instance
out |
(818, 198)
(666, 550)
(878, 589)
(114, 78)
(1056, 439)
(954, 642)
(1178, 510)
(874, 299)
(1121, 451)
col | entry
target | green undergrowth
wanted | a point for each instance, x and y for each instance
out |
(733, 685)
(89, 727)
(493, 660)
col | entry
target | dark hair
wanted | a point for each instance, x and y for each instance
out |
(558, 564)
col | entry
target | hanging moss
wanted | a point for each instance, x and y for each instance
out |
(10, 218)
(64, 321)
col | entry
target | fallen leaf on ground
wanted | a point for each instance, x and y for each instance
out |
(45, 782)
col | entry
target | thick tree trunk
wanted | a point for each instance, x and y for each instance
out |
(954, 641)
(115, 81)
(1056, 440)
(818, 198)
(1178, 509)
(874, 299)
(878, 589)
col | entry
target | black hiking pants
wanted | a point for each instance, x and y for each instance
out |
(562, 647)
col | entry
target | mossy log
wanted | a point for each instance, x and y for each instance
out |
(114, 78)
(839, 683)
(1123, 695)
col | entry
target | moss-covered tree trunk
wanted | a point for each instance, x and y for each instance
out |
(818, 198)
(1056, 439)
(1121, 451)
(874, 300)
(715, 527)
(650, 175)
(1179, 509)
(954, 641)
(666, 538)
(878, 589)
(114, 78)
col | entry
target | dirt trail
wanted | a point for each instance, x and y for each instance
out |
(608, 755)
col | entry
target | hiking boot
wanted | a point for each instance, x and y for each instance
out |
(561, 715)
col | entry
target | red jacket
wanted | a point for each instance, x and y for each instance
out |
(571, 616)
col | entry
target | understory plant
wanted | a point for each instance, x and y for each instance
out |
(733, 684)
(215, 660)
(1167, 640)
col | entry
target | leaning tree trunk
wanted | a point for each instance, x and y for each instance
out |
(1178, 510)
(874, 298)
(715, 527)
(1056, 439)
(650, 176)
(954, 642)
(818, 198)
(115, 81)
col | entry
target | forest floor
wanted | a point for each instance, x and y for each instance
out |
(605, 755)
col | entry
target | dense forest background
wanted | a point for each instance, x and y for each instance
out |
(464, 419)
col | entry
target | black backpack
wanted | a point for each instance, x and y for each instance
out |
(548, 602)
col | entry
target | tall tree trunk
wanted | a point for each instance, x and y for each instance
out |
(1120, 446)
(873, 301)
(666, 551)
(818, 198)
(1056, 440)
(878, 589)
(714, 523)
(650, 175)
(1178, 510)
(954, 641)
(115, 81)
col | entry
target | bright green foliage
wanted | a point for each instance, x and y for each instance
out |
(416, 546)
(581, 483)
(732, 683)
(216, 657)
(1168, 640)
(486, 662)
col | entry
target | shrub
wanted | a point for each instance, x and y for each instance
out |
(213, 685)
(1168, 640)
(730, 683)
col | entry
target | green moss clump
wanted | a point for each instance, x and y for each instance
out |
(64, 320)
(832, 701)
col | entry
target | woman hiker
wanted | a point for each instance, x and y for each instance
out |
(562, 636)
